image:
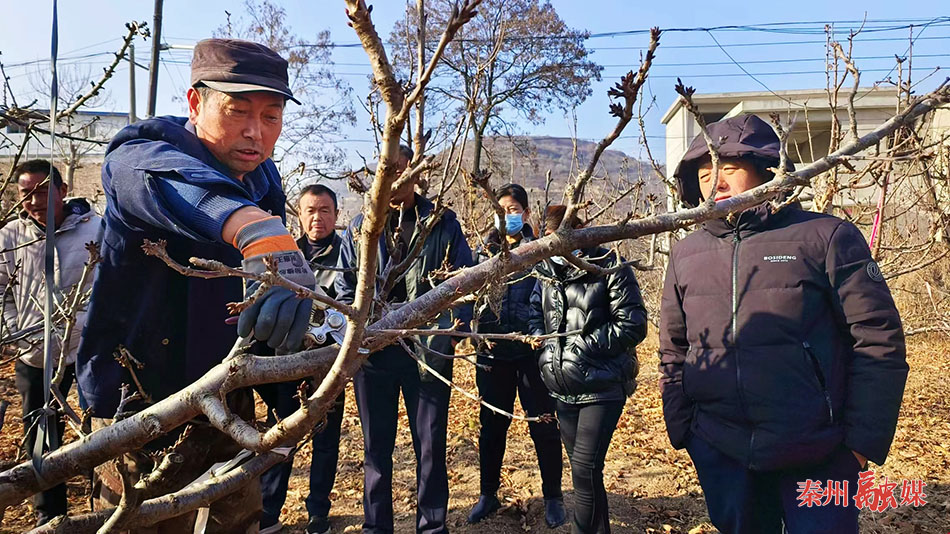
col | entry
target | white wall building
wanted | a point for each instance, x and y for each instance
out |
(810, 109)
(94, 125)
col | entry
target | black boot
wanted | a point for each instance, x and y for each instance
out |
(318, 525)
(554, 513)
(486, 506)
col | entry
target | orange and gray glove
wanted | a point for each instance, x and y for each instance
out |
(278, 316)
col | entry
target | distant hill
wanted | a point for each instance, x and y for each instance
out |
(525, 160)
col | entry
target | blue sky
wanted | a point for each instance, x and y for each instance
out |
(779, 60)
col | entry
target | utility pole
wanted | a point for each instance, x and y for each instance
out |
(132, 117)
(153, 66)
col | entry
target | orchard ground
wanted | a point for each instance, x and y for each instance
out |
(651, 487)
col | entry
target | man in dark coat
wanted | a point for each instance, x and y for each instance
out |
(782, 353)
(318, 211)
(391, 370)
(207, 186)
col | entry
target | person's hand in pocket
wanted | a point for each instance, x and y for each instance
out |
(862, 460)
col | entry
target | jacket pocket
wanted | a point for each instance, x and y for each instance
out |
(820, 377)
(709, 374)
(780, 389)
(601, 377)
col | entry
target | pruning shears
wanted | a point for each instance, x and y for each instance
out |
(334, 326)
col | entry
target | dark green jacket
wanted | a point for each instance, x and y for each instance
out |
(445, 243)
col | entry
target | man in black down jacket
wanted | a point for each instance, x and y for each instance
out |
(511, 367)
(781, 351)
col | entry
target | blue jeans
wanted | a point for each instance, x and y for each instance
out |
(742, 501)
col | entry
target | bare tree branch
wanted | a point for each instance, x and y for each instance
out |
(686, 95)
(216, 269)
(543, 418)
(135, 28)
(129, 502)
(628, 89)
(152, 511)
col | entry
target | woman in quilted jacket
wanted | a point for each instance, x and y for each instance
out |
(590, 369)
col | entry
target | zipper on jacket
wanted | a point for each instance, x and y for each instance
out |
(561, 296)
(736, 241)
(821, 378)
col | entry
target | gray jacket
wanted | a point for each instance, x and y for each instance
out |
(22, 244)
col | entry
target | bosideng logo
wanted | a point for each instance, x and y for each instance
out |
(780, 258)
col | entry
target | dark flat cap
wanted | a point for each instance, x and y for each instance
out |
(235, 66)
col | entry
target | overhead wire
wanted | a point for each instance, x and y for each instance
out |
(765, 27)
(181, 85)
(803, 28)
(749, 74)
(909, 48)
(763, 43)
(658, 64)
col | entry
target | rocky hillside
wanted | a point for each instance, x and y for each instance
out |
(526, 160)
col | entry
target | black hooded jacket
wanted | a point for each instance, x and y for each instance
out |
(598, 363)
(745, 136)
(779, 339)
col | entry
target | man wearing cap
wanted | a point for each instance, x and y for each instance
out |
(318, 211)
(782, 356)
(204, 184)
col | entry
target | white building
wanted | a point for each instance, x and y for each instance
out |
(810, 109)
(97, 126)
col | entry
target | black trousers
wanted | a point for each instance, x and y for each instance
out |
(741, 501)
(427, 405)
(323, 461)
(29, 382)
(498, 387)
(586, 430)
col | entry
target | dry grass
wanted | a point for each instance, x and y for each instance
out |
(652, 487)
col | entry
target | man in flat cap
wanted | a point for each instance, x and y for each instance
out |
(207, 186)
